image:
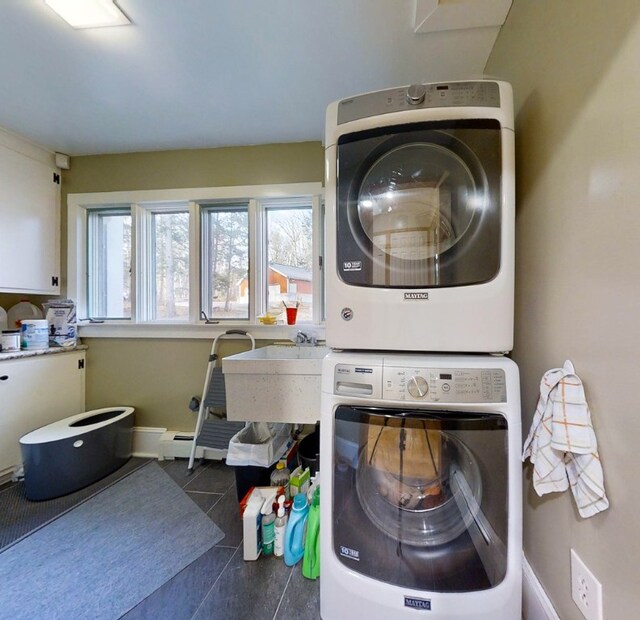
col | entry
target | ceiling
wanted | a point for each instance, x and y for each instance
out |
(210, 73)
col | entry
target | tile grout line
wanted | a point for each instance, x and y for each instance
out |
(215, 504)
(204, 598)
(282, 595)
(203, 468)
(192, 477)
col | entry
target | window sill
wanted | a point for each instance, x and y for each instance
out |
(196, 331)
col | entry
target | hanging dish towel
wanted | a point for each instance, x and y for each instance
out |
(562, 444)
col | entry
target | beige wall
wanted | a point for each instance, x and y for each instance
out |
(159, 377)
(575, 69)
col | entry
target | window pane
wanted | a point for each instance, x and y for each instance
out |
(226, 268)
(170, 267)
(289, 243)
(109, 268)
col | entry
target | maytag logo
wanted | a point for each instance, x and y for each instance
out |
(415, 296)
(417, 603)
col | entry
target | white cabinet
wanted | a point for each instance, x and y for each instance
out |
(29, 218)
(35, 391)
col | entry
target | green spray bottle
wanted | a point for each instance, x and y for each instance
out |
(311, 560)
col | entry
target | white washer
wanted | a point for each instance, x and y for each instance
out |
(421, 487)
(420, 219)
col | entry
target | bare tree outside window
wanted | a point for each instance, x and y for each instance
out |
(170, 270)
(227, 238)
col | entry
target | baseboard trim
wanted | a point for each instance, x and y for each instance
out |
(536, 605)
(6, 474)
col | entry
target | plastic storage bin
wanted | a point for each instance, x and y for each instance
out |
(254, 452)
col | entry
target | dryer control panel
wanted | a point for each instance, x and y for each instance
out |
(445, 94)
(416, 384)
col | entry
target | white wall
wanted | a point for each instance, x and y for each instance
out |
(575, 68)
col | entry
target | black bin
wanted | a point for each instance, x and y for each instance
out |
(248, 476)
(309, 452)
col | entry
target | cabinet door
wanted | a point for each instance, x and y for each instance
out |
(29, 221)
(36, 391)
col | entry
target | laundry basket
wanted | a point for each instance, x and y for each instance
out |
(213, 431)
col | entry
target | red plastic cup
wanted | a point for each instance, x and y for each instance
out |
(292, 314)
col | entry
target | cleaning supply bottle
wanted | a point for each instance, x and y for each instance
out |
(294, 534)
(280, 478)
(311, 561)
(268, 530)
(280, 527)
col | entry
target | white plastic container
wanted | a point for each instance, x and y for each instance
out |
(3, 319)
(34, 334)
(251, 527)
(22, 310)
(10, 340)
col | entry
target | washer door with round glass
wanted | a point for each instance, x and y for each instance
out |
(420, 498)
(419, 205)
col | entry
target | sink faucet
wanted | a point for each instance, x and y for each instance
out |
(303, 339)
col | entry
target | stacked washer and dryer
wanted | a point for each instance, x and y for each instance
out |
(420, 421)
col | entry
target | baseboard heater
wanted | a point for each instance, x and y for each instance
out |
(177, 444)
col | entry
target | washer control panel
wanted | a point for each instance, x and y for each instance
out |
(445, 385)
(415, 384)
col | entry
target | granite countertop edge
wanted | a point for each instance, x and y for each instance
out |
(13, 355)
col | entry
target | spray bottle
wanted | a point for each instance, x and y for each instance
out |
(280, 527)
(268, 519)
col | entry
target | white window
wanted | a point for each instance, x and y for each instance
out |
(169, 264)
(194, 256)
(226, 290)
(289, 242)
(109, 263)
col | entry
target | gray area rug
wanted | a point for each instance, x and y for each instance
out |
(106, 555)
(19, 517)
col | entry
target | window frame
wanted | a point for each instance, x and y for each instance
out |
(143, 204)
(145, 254)
(94, 286)
(317, 244)
(203, 289)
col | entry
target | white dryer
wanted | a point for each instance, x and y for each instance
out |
(420, 219)
(421, 487)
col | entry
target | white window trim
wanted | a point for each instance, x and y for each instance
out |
(141, 200)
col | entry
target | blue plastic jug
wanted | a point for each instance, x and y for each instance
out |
(294, 534)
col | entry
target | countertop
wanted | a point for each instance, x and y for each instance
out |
(12, 355)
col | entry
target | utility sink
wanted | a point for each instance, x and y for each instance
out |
(277, 383)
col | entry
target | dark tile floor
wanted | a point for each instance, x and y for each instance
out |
(220, 584)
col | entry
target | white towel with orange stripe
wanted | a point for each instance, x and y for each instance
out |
(562, 444)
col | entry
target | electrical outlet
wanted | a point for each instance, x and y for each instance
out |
(586, 590)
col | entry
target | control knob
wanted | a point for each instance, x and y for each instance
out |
(418, 386)
(416, 94)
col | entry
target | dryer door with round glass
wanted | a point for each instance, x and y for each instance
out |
(419, 205)
(420, 498)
